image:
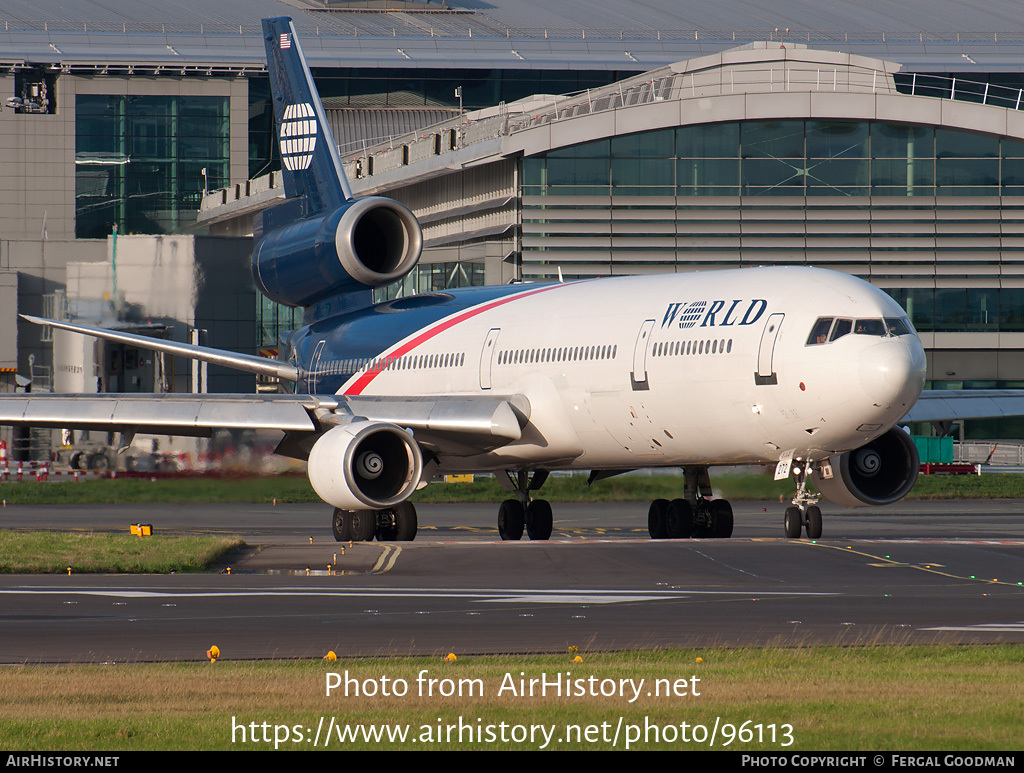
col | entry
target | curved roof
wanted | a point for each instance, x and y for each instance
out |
(925, 35)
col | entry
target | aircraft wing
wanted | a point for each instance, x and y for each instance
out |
(446, 424)
(953, 404)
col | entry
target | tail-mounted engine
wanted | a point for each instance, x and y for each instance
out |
(365, 465)
(880, 473)
(365, 243)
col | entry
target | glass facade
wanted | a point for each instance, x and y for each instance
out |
(784, 158)
(427, 277)
(275, 319)
(139, 161)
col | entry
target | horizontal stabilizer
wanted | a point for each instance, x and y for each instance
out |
(250, 363)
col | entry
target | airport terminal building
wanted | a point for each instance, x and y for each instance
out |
(531, 142)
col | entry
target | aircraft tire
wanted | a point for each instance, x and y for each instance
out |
(539, 520)
(721, 519)
(341, 525)
(813, 522)
(679, 519)
(99, 461)
(511, 520)
(364, 525)
(406, 522)
(387, 533)
(793, 522)
(656, 519)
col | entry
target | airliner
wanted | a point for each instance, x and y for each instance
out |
(805, 369)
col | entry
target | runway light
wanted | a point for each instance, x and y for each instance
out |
(213, 653)
(450, 658)
(330, 656)
(69, 571)
(229, 570)
(310, 540)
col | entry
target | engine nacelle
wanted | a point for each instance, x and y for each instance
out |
(366, 243)
(880, 473)
(365, 464)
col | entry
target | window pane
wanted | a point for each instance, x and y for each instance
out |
(773, 139)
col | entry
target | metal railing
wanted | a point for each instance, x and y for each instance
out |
(995, 453)
(467, 24)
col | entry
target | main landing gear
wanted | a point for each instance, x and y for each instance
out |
(804, 514)
(692, 516)
(396, 523)
(522, 513)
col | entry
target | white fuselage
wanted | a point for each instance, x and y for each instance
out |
(699, 368)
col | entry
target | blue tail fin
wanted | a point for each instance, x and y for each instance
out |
(309, 155)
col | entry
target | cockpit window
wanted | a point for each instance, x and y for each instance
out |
(841, 328)
(890, 326)
(869, 327)
(819, 333)
(897, 327)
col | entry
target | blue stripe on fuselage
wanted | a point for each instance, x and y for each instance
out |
(373, 331)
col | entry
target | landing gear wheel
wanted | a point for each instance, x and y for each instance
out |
(679, 519)
(701, 519)
(539, 519)
(364, 524)
(511, 519)
(793, 522)
(721, 519)
(656, 519)
(341, 525)
(406, 522)
(388, 532)
(99, 461)
(813, 522)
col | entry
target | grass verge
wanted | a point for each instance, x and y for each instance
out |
(48, 552)
(631, 488)
(870, 698)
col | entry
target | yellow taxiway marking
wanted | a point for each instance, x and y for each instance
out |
(384, 563)
(929, 567)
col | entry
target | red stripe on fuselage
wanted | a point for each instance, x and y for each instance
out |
(364, 380)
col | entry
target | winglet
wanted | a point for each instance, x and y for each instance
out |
(309, 155)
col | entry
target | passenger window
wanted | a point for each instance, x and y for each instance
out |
(819, 333)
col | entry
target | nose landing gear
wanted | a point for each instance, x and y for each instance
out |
(804, 514)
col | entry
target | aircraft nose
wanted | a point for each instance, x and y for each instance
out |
(892, 372)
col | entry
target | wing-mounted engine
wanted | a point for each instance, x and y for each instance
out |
(363, 244)
(879, 473)
(365, 464)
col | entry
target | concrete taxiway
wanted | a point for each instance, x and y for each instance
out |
(915, 572)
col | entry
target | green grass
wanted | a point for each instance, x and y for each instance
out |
(625, 488)
(868, 698)
(48, 552)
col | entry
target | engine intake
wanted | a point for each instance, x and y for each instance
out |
(879, 473)
(365, 464)
(366, 243)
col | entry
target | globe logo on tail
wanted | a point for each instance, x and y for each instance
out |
(298, 136)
